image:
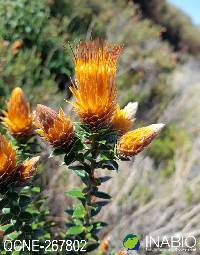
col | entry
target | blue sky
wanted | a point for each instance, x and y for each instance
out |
(190, 7)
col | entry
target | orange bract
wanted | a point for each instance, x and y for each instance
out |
(135, 141)
(10, 172)
(18, 118)
(123, 119)
(27, 170)
(95, 90)
(54, 128)
(7, 160)
(122, 253)
(104, 246)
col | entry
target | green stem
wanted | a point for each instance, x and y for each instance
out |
(91, 184)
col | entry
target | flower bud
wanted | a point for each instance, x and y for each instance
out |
(7, 161)
(26, 170)
(18, 118)
(135, 141)
(123, 119)
(54, 127)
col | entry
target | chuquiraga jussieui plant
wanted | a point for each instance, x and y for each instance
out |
(99, 140)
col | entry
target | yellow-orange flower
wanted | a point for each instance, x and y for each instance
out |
(27, 170)
(104, 246)
(123, 119)
(135, 141)
(18, 118)
(10, 172)
(7, 160)
(54, 128)
(94, 89)
(122, 253)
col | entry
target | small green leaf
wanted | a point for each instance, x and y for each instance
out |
(70, 211)
(36, 189)
(100, 224)
(89, 228)
(75, 230)
(5, 210)
(26, 216)
(80, 173)
(105, 155)
(92, 247)
(77, 167)
(9, 230)
(57, 152)
(24, 200)
(15, 209)
(102, 203)
(4, 227)
(102, 142)
(102, 195)
(80, 157)
(27, 229)
(109, 164)
(76, 192)
(3, 203)
(69, 158)
(104, 179)
(95, 211)
(97, 226)
(79, 211)
(5, 219)
(12, 195)
(13, 236)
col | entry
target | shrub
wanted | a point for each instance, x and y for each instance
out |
(22, 19)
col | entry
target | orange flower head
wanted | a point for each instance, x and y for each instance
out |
(122, 253)
(123, 119)
(7, 160)
(26, 170)
(135, 141)
(18, 118)
(104, 246)
(54, 128)
(94, 89)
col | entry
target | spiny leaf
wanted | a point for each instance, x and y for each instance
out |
(104, 179)
(75, 230)
(76, 192)
(102, 195)
(69, 158)
(92, 247)
(109, 164)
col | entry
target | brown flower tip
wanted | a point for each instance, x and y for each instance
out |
(18, 118)
(135, 141)
(16, 46)
(95, 90)
(123, 119)
(26, 170)
(104, 246)
(7, 161)
(54, 127)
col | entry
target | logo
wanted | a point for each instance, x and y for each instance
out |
(131, 242)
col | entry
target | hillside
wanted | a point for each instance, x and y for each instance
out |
(177, 26)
